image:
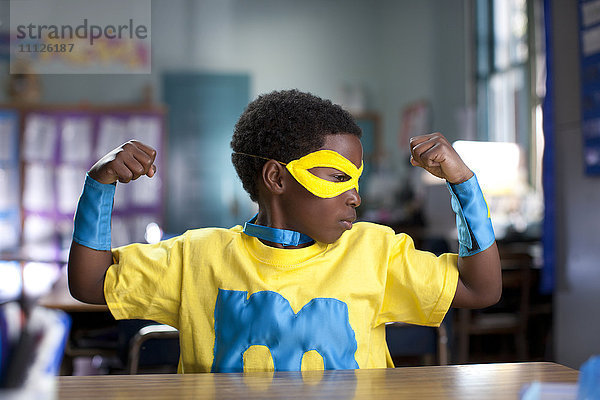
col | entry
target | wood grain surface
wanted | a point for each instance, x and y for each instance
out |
(478, 381)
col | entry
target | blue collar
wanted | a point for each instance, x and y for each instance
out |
(275, 235)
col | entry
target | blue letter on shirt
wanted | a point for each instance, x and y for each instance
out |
(266, 318)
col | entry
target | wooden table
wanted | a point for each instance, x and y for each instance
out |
(477, 381)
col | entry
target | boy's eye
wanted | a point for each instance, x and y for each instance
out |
(330, 174)
(341, 178)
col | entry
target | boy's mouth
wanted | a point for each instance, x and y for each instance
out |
(347, 222)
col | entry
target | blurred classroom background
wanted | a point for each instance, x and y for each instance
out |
(500, 78)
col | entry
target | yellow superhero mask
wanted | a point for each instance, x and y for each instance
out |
(321, 187)
(321, 158)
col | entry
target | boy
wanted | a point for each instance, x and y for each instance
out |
(300, 286)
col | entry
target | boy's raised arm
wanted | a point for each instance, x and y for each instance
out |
(480, 279)
(90, 254)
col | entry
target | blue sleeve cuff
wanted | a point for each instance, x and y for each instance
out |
(475, 231)
(92, 218)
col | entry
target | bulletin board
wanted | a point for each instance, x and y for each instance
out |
(58, 145)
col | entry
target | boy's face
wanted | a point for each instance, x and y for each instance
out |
(324, 219)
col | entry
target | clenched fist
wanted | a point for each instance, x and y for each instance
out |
(435, 154)
(125, 163)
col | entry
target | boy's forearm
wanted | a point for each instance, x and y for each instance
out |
(480, 278)
(90, 254)
(86, 270)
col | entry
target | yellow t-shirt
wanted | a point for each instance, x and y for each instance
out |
(240, 305)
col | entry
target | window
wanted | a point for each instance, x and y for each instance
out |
(507, 98)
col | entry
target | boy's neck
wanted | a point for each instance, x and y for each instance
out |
(263, 220)
(281, 246)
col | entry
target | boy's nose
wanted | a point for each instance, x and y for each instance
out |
(353, 199)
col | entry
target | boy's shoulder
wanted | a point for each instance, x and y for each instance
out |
(212, 234)
(372, 227)
(368, 232)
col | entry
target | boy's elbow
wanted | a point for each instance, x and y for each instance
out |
(76, 292)
(92, 296)
(491, 297)
(85, 291)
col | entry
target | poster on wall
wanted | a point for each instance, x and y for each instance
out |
(80, 37)
(589, 49)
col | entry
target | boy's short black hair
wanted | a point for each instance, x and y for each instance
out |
(284, 126)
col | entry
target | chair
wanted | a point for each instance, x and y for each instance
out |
(146, 333)
(429, 346)
(510, 316)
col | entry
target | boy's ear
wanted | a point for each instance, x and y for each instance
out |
(273, 177)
